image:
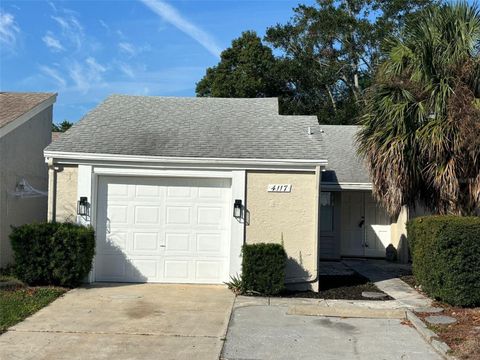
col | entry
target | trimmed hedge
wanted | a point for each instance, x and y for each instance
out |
(446, 257)
(53, 253)
(263, 268)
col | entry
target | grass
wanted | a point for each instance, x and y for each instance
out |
(19, 301)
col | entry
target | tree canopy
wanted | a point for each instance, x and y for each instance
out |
(420, 132)
(246, 69)
(327, 55)
(62, 127)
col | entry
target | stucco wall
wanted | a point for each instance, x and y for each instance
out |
(21, 156)
(399, 234)
(291, 218)
(64, 197)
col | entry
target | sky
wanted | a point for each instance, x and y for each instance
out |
(86, 50)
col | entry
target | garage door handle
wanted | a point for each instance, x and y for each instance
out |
(162, 245)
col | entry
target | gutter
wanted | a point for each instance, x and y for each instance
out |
(179, 160)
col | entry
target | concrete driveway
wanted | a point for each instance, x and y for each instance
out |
(119, 321)
(271, 332)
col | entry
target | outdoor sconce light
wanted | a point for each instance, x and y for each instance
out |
(237, 209)
(82, 206)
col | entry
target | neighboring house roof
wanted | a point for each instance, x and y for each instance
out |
(13, 105)
(344, 165)
(56, 135)
(16, 108)
(214, 128)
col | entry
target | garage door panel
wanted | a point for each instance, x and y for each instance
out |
(178, 215)
(145, 241)
(179, 192)
(115, 243)
(177, 242)
(210, 215)
(176, 270)
(146, 215)
(147, 192)
(111, 268)
(118, 214)
(209, 243)
(163, 230)
(144, 269)
(208, 270)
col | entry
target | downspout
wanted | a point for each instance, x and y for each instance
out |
(52, 190)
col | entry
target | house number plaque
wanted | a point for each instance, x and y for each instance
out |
(285, 188)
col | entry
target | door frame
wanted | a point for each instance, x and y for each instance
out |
(88, 183)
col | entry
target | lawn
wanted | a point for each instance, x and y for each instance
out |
(18, 301)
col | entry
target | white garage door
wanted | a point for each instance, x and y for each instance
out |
(163, 230)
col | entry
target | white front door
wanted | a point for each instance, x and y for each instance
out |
(353, 218)
(163, 230)
(365, 225)
(377, 228)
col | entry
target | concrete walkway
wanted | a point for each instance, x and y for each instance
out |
(258, 330)
(137, 321)
(386, 277)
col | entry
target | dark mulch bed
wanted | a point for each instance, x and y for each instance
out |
(410, 280)
(339, 287)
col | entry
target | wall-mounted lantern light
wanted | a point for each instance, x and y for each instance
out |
(237, 209)
(82, 206)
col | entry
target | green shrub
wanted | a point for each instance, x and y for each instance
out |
(446, 257)
(263, 268)
(53, 253)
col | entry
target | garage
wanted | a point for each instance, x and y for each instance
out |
(163, 229)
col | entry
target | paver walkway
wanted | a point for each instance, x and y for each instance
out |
(385, 276)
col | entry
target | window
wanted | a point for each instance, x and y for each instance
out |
(326, 211)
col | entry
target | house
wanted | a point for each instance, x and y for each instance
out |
(25, 130)
(175, 186)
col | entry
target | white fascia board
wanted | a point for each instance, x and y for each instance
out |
(27, 116)
(331, 186)
(133, 160)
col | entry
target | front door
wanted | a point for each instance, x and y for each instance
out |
(365, 225)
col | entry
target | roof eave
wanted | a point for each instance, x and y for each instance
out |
(74, 157)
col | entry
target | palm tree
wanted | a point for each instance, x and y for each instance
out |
(420, 133)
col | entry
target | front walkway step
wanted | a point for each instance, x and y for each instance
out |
(440, 320)
(390, 284)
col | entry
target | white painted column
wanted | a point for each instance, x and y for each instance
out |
(85, 189)
(237, 226)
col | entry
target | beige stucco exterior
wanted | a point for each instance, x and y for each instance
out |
(63, 183)
(21, 157)
(288, 218)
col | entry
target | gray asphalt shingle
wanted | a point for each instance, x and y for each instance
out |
(344, 165)
(193, 127)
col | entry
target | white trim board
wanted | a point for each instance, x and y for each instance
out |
(115, 158)
(330, 186)
(27, 116)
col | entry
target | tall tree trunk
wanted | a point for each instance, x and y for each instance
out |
(330, 95)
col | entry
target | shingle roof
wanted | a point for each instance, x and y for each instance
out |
(344, 165)
(193, 127)
(13, 104)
